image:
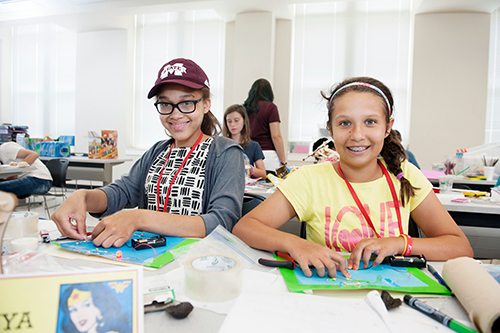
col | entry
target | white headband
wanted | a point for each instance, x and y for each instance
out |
(365, 85)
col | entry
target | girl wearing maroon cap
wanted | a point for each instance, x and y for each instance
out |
(361, 204)
(184, 186)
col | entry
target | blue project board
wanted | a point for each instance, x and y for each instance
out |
(150, 257)
(381, 277)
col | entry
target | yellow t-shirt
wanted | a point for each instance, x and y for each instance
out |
(321, 198)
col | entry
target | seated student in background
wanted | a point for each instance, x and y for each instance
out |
(184, 186)
(324, 151)
(360, 204)
(409, 155)
(237, 127)
(35, 180)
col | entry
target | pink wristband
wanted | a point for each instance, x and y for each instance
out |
(409, 245)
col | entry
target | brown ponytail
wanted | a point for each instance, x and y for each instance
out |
(393, 154)
(210, 125)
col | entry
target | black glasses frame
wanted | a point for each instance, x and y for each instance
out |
(174, 106)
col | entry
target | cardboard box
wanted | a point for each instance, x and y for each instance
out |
(109, 144)
(94, 145)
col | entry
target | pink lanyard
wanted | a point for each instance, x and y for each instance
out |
(362, 209)
(175, 176)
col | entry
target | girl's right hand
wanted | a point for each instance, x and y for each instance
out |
(71, 215)
(326, 261)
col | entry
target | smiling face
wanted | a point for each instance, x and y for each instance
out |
(185, 128)
(84, 315)
(235, 123)
(358, 127)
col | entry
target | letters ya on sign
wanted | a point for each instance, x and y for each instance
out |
(15, 321)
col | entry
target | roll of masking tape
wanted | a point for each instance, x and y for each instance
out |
(22, 224)
(24, 244)
(213, 278)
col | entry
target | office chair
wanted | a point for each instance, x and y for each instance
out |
(58, 168)
(250, 201)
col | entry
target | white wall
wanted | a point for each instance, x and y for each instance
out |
(283, 75)
(101, 87)
(5, 75)
(253, 51)
(259, 46)
(450, 76)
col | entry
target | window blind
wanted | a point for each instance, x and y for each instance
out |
(44, 71)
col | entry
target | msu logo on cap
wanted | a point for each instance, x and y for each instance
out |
(180, 71)
(177, 69)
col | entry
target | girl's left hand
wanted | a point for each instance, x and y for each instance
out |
(116, 229)
(382, 247)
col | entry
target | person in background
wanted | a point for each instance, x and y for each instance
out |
(409, 155)
(360, 204)
(237, 127)
(323, 141)
(265, 123)
(184, 186)
(35, 180)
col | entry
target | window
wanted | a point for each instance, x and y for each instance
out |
(198, 35)
(333, 41)
(44, 68)
(492, 130)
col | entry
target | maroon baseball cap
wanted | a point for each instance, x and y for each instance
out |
(181, 71)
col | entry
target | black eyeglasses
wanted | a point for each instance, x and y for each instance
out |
(184, 107)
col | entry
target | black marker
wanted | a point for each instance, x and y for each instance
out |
(436, 315)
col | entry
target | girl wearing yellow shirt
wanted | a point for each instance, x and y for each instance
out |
(361, 204)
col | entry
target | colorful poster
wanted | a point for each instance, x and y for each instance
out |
(150, 257)
(107, 300)
(381, 277)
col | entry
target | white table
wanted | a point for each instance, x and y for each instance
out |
(202, 320)
(479, 219)
(84, 168)
(9, 171)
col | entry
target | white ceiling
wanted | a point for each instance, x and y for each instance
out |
(82, 15)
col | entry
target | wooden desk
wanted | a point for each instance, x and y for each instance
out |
(84, 168)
